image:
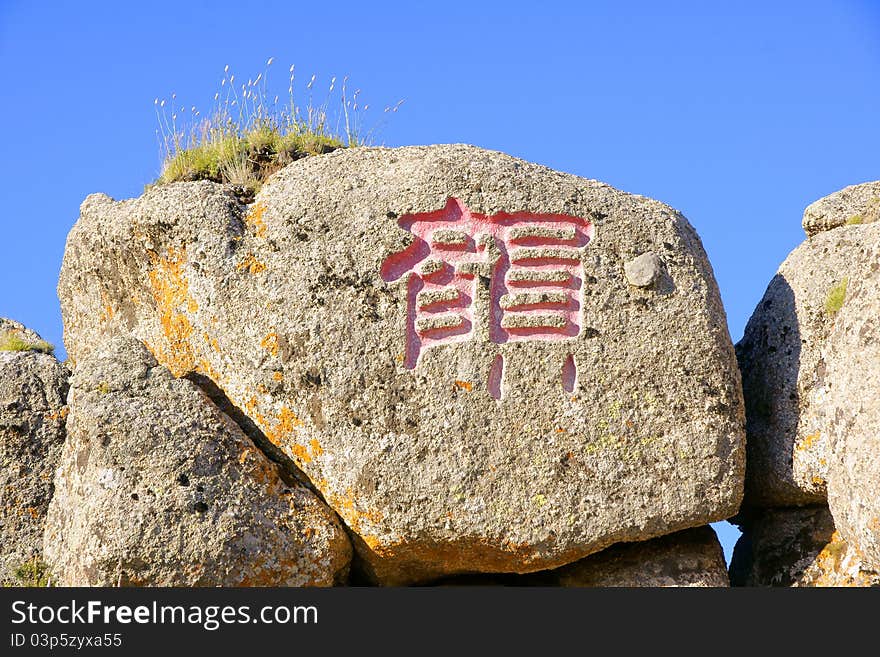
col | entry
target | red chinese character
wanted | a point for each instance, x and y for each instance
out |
(532, 263)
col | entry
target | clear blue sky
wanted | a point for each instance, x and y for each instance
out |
(738, 115)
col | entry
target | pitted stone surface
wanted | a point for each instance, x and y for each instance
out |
(784, 377)
(33, 392)
(157, 487)
(852, 418)
(853, 205)
(484, 439)
(797, 547)
(692, 558)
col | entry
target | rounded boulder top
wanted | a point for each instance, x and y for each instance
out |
(446, 341)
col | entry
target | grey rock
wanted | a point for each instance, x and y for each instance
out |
(852, 419)
(856, 204)
(157, 487)
(33, 391)
(643, 270)
(796, 547)
(493, 441)
(783, 372)
(691, 558)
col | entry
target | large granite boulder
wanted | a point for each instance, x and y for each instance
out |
(797, 547)
(853, 415)
(33, 392)
(785, 384)
(158, 487)
(480, 363)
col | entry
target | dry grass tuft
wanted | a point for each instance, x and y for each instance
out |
(248, 135)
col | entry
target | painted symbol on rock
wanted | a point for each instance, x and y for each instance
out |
(504, 277)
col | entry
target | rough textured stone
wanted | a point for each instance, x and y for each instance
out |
(853, 414)
(33, 391)
(690, 558)
(796, 547)
(856, 204)
(466, 447)
(783, 373)
(157, 487)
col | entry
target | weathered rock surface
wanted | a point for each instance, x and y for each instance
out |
(856, 204)
(33, 391)
(445, 341)
(690, 558)
(157, 487)
(693, 557)
(797, 547)
(783, 372)
(853, 415)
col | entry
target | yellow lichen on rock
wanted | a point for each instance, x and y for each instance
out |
(254, 220)
(270, 343)
(839, 565)
(170, 289)
(251, 264)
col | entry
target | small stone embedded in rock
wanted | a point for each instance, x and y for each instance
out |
(643, 270)
(158, 487)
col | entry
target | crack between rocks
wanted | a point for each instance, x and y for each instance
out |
(290, 472)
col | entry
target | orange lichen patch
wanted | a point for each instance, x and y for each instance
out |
(33, 512)
(277, 376)
(808, 441)
(60, 414)
(306, 454)
(204, 367)
(254, 219)
(353, 516)
(301, 453)
(212, 342)
(288, 421)
(464, 385)
(262, 389)
(170, 289)
(281, 433)
(561, 430)
(251, 406)
(270, 343)
(838, 564)
(251, 264)
(108, 312)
